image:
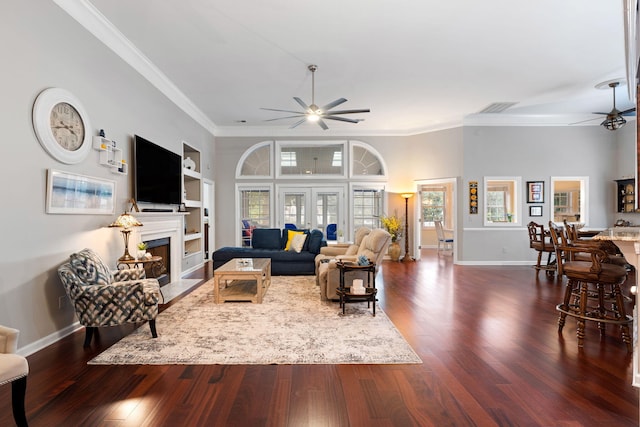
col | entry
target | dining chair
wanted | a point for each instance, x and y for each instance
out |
(445, 242)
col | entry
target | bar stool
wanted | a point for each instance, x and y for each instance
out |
(539, 240)
(592, 291)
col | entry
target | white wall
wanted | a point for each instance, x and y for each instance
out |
(43, 47)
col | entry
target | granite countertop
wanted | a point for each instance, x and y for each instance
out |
(619, 233)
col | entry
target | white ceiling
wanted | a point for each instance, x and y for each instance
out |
(419, 65)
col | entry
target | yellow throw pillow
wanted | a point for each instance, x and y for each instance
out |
(290, 234)
(297, 242)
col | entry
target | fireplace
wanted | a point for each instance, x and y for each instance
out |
(163, 226)
(160, 247)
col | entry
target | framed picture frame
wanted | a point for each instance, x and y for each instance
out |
(535, 210)
(535, 191)
(70, 193)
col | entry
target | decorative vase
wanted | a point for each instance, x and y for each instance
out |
(141, 254)
(394, 251)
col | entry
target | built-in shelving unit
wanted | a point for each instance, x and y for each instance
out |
(192, 199)
(626, 195)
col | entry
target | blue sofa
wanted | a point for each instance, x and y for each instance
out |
(271, 243)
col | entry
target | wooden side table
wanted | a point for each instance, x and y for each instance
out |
(344, 292)
(155, 264)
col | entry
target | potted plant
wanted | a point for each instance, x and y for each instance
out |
(340, 236)
(394, 227)
(142, 250)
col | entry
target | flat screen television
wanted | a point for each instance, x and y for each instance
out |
(157, 173)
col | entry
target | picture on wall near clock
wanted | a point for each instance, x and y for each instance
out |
(62, 125)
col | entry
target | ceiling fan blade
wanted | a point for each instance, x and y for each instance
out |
(628, 112)
(302, 104)
(333, 104)
(364, 110)
(298, 123)
(584, 121)
(286, 117)
(322, 124)
(282, 111)
(342, 119)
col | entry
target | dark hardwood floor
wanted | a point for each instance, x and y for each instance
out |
(487, 336)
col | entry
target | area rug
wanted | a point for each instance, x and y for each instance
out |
(291, 326)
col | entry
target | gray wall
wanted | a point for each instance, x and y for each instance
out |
(44, 47)
(535, 154)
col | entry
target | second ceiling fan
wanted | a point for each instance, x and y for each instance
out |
(313, 113)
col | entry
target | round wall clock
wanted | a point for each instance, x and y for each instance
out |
(62, 125)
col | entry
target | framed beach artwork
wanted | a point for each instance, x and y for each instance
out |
(70, 193)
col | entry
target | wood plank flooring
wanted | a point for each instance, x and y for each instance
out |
(487, 336)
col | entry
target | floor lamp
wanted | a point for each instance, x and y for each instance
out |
(406, 197)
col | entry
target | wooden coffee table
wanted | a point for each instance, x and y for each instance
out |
(242, 279)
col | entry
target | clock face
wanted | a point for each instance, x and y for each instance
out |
(62, 125)
(67, 126)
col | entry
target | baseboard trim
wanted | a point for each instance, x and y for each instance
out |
(40, 344)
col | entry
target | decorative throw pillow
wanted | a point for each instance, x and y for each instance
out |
(297, 243)
(90, 268)
(315, 241)
(291, 234)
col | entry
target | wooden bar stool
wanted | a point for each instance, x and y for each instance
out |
(592, 291)
(539, 240)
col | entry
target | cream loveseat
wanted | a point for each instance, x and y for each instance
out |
(371, 243)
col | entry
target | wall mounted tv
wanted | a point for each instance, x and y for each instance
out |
(157, 173)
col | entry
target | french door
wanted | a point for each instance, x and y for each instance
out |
(311, 207)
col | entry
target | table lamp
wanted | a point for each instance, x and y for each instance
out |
(126, 221)
(406, 197)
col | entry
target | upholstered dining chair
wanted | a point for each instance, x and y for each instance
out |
(101, 297)
(13, 369)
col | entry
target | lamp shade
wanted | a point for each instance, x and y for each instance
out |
(126, 220)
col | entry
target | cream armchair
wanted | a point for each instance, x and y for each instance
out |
(373, 245)
(104, 298)
(331, 251)
(13, 369)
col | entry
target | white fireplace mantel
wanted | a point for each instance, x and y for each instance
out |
(159, 225)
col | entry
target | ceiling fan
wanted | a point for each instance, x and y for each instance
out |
(313, 113)
(615, 119)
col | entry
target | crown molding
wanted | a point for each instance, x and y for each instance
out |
(97, 24)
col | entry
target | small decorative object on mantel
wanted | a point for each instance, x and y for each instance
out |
(189, 164)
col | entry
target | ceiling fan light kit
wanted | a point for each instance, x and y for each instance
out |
(313, 113)
(614, 120)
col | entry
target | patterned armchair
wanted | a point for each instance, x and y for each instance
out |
(101, 297)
